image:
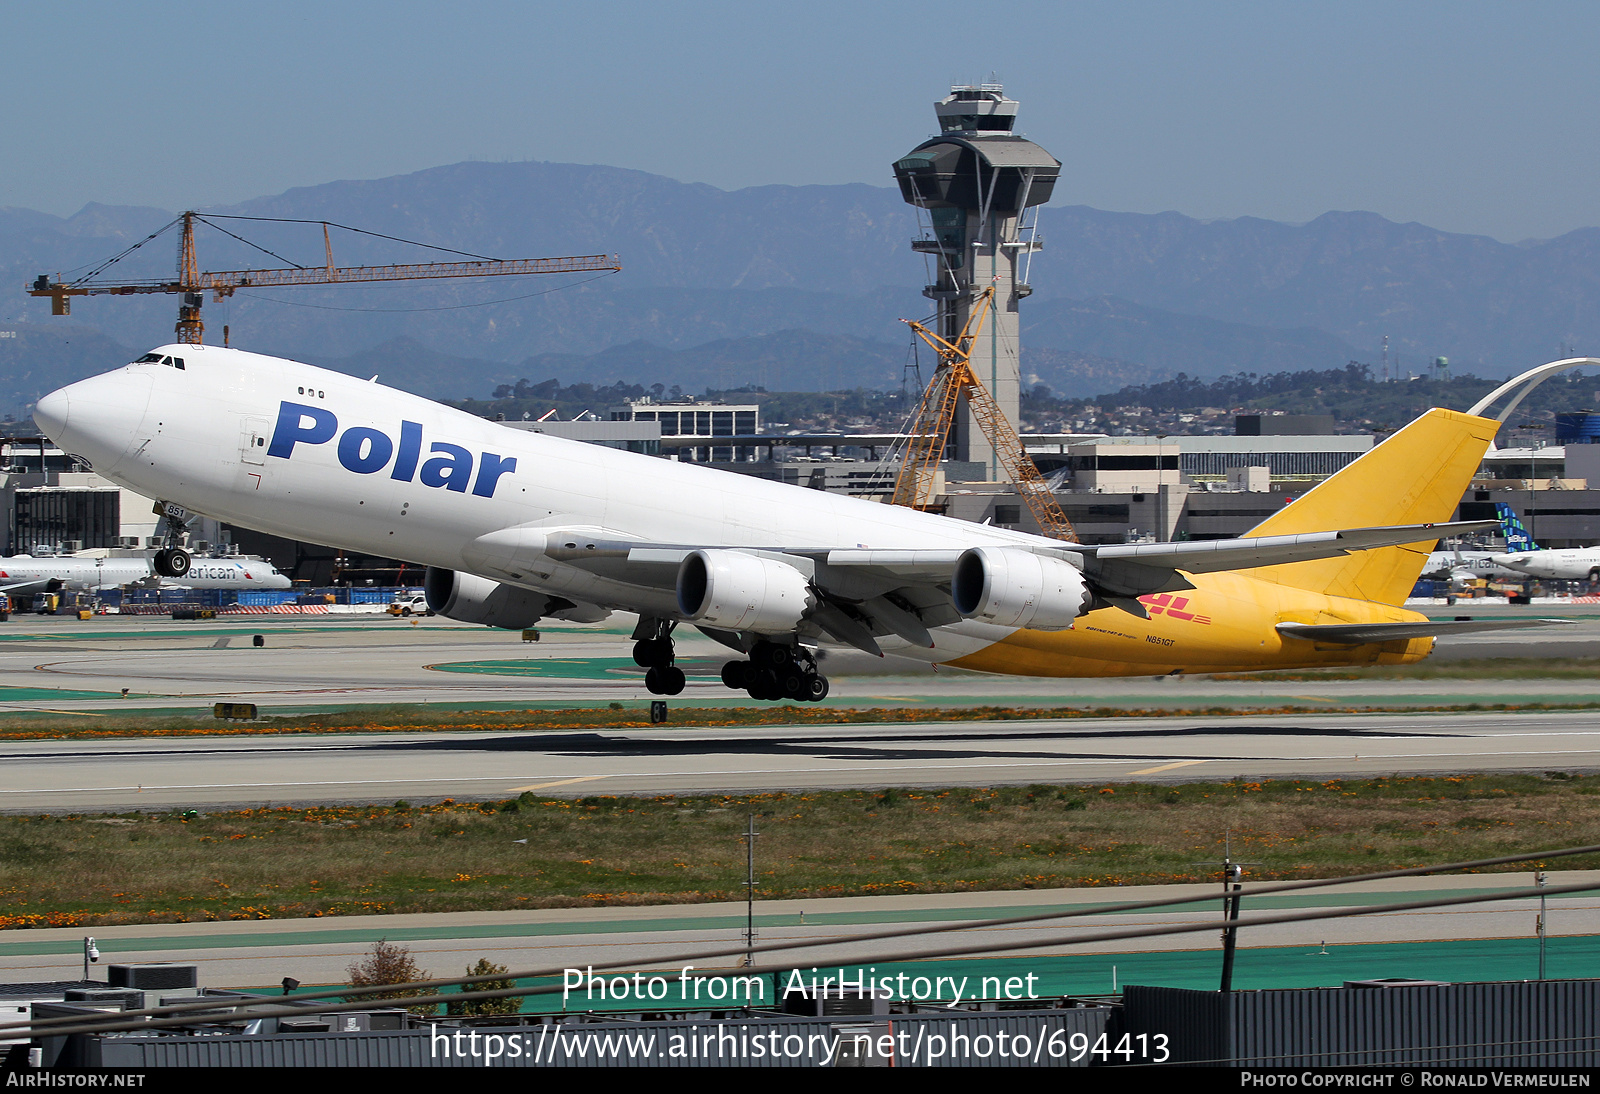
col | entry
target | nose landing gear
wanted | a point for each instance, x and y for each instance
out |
(172, 562)
(777, 671)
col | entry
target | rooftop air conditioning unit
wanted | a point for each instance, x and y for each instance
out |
(153, 976)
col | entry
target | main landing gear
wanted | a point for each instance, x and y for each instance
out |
(777, 671)
(654, 653)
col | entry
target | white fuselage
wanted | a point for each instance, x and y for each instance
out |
(1574, 564)
(1459, 565)
(22, 573)
(309, 454)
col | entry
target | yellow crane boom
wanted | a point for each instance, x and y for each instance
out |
(193, 283)
(929, 434)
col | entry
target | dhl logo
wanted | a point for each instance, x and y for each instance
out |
(1174, 607)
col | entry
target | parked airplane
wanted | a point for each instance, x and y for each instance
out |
(1523, 556)
(514, 526)
(1459, 566)
(23, 573)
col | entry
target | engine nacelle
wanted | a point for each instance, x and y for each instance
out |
(1010, 587)
(471, 599)
(743, 592)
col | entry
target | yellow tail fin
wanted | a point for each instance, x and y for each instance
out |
(1417, 476)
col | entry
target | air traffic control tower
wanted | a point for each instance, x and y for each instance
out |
(973, 185)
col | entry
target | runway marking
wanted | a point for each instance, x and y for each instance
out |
(785, 772)
(1313, 698)
(558, 782)
(79, 713)
(1168, 767)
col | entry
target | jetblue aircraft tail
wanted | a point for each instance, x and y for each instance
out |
(1517, 538)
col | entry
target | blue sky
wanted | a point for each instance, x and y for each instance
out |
(1470, 117)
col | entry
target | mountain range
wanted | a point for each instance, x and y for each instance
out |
(786, 287)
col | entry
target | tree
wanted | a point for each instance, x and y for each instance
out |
(388, 964)
(473, 1008)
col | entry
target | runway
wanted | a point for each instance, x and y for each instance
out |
(321, 663)
(77, 669)
(111, 775)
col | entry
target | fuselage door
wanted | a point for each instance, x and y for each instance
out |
(253, 440)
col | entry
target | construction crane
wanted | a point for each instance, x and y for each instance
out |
(192, 284)
(929, 432)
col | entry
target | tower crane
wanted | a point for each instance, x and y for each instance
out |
(192, 284)
(929, 433)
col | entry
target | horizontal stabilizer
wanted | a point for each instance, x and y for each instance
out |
(1356, 634)
(1210, 556)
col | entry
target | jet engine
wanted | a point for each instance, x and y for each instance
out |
(470, 599)
(1015, 588)
(737, 591)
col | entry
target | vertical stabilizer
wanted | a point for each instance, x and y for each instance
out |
(1417, 476)
(1517, 538)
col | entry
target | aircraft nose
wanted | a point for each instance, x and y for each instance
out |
(98, 418)
(50, 413)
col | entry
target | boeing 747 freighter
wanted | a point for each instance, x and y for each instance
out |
(514, 526)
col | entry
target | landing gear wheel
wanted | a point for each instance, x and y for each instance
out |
(736, 675)
(764, 685)
(664, 680)
(795, 684)
(652, 653)
(771, 655)
(805, 687)
(173, 562)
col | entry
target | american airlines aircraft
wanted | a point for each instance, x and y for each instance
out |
(1462, 566)
(23, 573)
(513, 526)
(1525, 557)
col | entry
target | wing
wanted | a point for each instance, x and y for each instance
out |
(859, 594)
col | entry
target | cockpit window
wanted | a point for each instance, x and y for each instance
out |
(158, 359)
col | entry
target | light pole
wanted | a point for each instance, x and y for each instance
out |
(1539, 880)
(750, 892)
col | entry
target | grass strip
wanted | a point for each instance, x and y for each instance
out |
(537, 851)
